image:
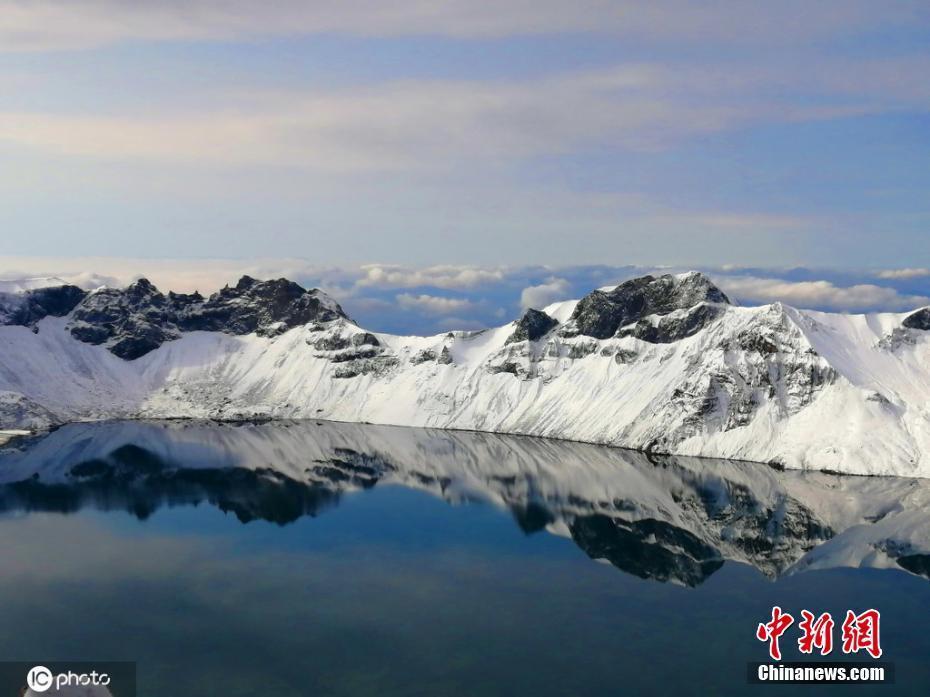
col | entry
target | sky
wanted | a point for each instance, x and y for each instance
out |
(197, 138)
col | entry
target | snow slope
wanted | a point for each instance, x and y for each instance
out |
(808, 390)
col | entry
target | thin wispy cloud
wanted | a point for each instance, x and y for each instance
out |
(442, 124)
(496, 134)
(41, 25)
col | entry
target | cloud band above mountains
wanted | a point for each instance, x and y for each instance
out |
(432, 299)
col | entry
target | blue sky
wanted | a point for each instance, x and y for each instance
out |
(513, 133)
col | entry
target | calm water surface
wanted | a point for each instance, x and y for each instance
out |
(335, 559)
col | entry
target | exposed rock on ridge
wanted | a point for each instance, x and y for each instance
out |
(918, 320)
(27, 308)
(138, 319)
(533, 326)
(601, 314)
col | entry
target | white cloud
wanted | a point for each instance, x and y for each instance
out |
(179, 275)
(903, 274)
(446, 324)
(51, 24)
(820, 294)
(538, 297)
(441, 276)
(351, 285)
(433, 304)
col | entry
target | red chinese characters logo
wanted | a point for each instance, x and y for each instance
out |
(771, 631)
(817, 633)
(860, 632)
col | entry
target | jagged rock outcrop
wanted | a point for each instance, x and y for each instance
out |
(918, 320)
(533, 326)
(601, 314)
(135, 320)
(648, 549)
(264, 307)
(674, 326)
(132, 321)
(27, 308)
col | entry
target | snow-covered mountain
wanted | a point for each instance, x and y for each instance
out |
(661, 364)
(666, 518)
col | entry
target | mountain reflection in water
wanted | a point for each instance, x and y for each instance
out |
(669, 519)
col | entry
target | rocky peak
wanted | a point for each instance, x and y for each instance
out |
(184, 299)
(918, 320)
(534, 325)
(141, 287)
(601, 314)
(27, 308)
(137, 319)
(246, 282)
(265, 307)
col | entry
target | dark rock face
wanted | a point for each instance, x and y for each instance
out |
(581, 350)
(139, 318)
(918, 320)
(533, 326)
(424, 356)
(601, 313)
(254, 306)
(508, 367)
(34, 305)
(365, 339)
(916, 564)
(371, 362)
(669, 329)
(650, 549)
(139, 481)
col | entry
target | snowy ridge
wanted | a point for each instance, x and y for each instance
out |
(664, 365)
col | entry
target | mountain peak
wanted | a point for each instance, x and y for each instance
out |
(245, 282)
(534, 325)
(138, 319)
(602, 313)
